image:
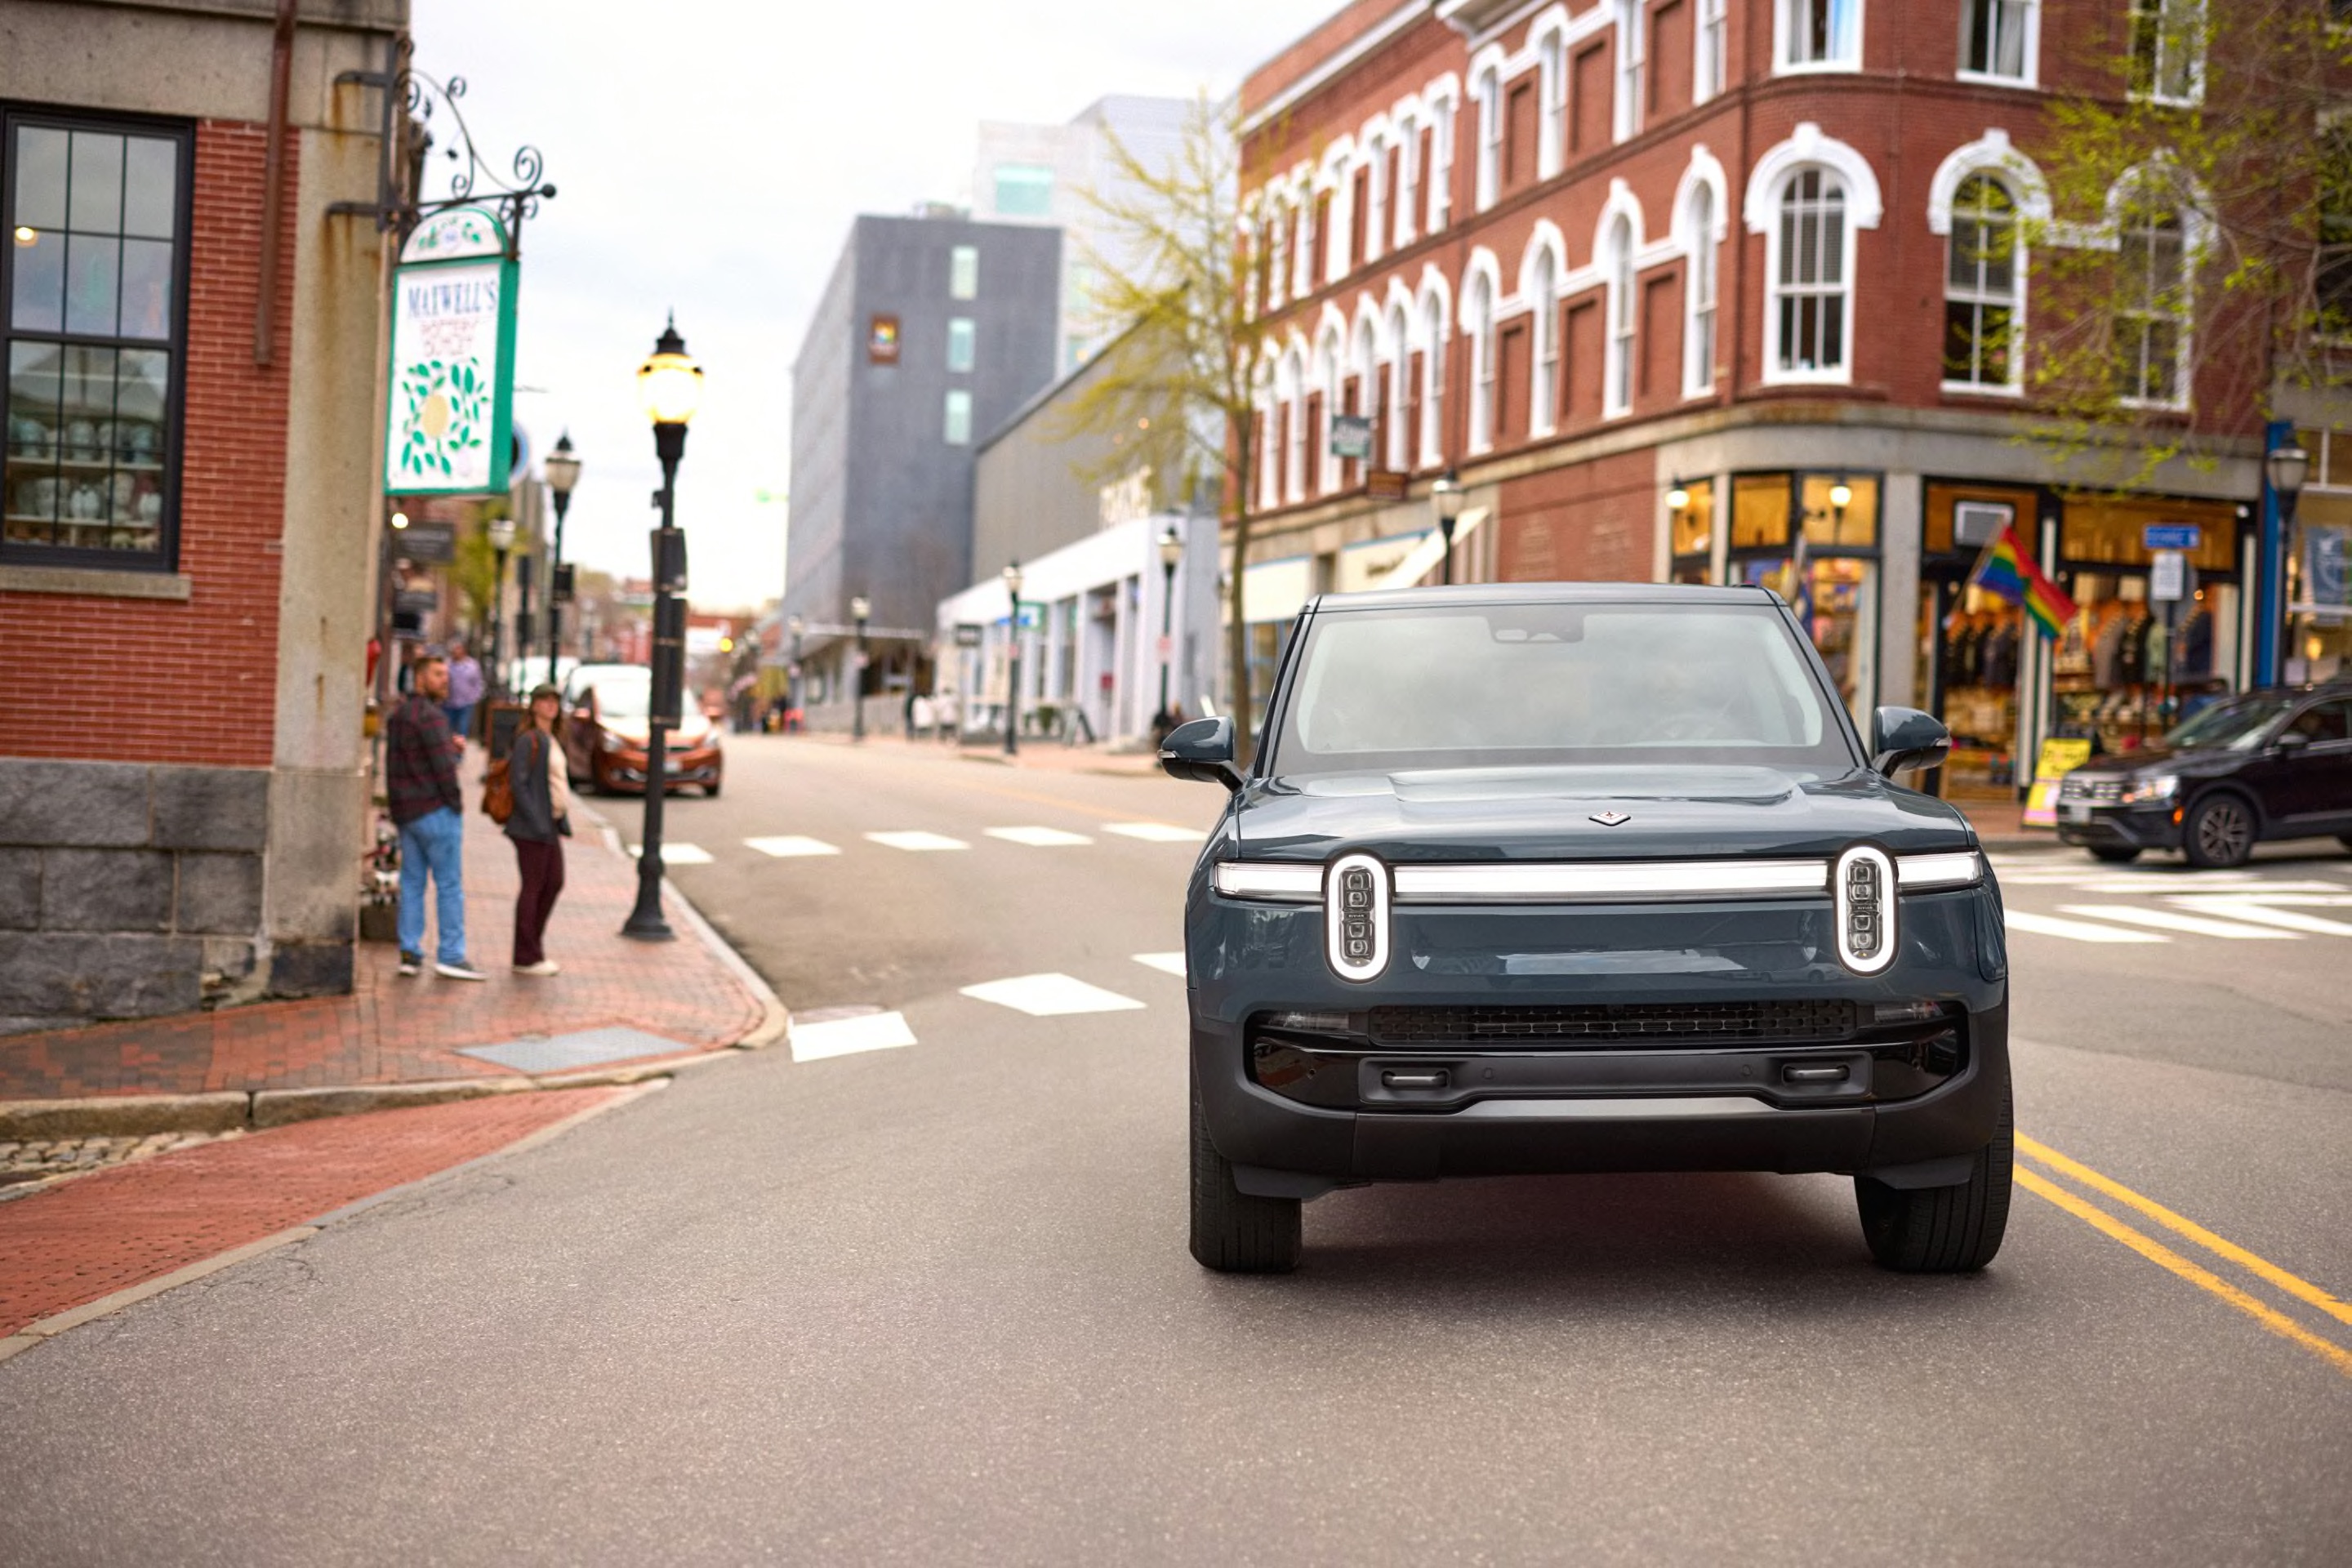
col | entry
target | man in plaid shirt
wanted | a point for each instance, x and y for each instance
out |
(420, 777)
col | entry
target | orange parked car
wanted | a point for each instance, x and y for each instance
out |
(605, 731)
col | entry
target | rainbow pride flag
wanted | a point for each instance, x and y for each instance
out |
(2007, 573)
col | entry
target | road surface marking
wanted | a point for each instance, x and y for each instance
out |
(2156, 1252)
(917, 841)
(1155, 832)
(677, 854)
(1166, 963)
(2167, 920)
(2250, 908)
(1079, 807)
(847, 1036)
(2074, 930)
(1038, 838)
(790, 845)
(1051, 996)
(2292, 1284)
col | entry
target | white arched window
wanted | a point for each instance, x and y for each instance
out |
(1478, 322)
(1332, 375)
(2152, 304)
(1375, 222)
(1396, 436)
(1618, 258)
(1552, 83)
(1982, 276)
(1811, 315)
(1631, 48)
(1405, 198)
(1543, 394)
(1490, 92)
(1441, 162)
(1290, 386)
(1712, 50)
(1432, 385)
(1700, 294)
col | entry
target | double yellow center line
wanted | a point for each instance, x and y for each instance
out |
(2157, 1252)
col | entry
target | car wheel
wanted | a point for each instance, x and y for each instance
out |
(710, 790)
(1942, 1230)
(2220, 832)
(1233, 1232)
(2115, 854)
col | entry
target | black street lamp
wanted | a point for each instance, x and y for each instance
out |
(1172, 552)
(860, 608)
(795, 626)
(563, 471)
(1013, 675)
(1445, 496)
(669, 383)
(502, 537)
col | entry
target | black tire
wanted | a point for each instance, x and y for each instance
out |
(2220, 832)
(2115, 854)
(1942, 1230)
(2345, 839)
(1233, 1232)
(710, 790)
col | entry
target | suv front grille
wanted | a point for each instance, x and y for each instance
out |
(2099, 791)
(1811, 1020)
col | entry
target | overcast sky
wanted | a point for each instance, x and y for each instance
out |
(710, 157)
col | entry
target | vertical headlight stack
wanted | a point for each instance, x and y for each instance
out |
(1356, 917)
(1863, 882)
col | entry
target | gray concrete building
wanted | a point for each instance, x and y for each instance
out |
(932, 330)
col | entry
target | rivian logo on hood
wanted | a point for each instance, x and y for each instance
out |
(1612, 818)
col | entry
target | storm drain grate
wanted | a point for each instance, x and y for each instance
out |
(582, 1048)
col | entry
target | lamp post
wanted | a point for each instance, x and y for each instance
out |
(795, 626)
(502, 535)
(1172, 552)
(1013, 673)
(1445, 496)
(562, 470)
(860, 606)
(669, 383)
(2287, 467)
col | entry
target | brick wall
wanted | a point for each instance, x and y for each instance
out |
(146, 680)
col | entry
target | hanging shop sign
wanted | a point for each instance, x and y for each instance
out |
(2326, 571)
(428, 543)
(450, 425)
(1351, 436)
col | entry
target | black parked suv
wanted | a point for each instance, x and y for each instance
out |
(2274, 763)
(1555, 878)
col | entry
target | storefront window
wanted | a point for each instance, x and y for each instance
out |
(1838, 588)
(1691, 534)
(2128, 665)
(1972, 645)
(2318, 645)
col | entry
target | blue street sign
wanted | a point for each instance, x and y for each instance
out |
(2172, 536)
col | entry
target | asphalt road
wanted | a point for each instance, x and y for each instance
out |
(929, 1302)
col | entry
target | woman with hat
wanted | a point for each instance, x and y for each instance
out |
(541, 823)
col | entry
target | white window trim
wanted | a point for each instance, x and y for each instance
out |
(1486, 91)
(1782, 38)
(1541, 269)
(1375, 160)
(1434, 312)
(1551, 86)
(1443, 97)
(2031, 76)
(2196, 93)
(1396, 436)
(1760, 210)
(1619, 261)
(1482, 299)
(2195, 237)
(1405, 200)
(2018, 273)
(1626, 109)
(1710, 57)
(1703, 251)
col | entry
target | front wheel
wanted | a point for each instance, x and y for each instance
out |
(1233, 1231)
(1942, 1230)
(2220, 832)
(2115, 854)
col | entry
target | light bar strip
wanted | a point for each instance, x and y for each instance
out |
(1655, 879)
(1285, 884)
(1917, 873)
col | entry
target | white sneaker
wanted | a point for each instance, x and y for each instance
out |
(457, 972)
(544, 966)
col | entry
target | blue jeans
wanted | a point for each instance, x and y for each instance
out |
(461, 718)
(434, 843)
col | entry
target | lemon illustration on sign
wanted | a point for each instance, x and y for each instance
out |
(433, 418)
(447, 410)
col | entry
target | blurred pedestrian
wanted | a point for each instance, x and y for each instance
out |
(541, 823)
(465, 690)
(421, 788)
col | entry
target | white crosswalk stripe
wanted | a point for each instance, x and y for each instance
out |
(2262, 913)
(677, 854)
(1155, 832)
(1051, 996)
(841, 1036)
(791, 846)
(2168, 919)
(2074, 930)
(917, 842)
(1038, 838)
(1166, 963)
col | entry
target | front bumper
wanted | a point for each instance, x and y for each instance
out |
(2151, 827)
(627, 770)
(1739, 1043)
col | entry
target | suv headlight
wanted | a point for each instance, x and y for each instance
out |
(609, 741)
(2156, 786)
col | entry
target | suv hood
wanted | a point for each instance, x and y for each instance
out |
(1546, 814)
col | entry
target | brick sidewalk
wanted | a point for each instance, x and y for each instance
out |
(123, 1228)
(393, 1030)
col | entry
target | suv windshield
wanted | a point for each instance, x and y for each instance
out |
(2230, 726)
(1557, 685)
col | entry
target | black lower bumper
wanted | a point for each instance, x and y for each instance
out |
(2110, 827)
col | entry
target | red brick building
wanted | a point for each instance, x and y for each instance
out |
(1669, 283)
(192, 339)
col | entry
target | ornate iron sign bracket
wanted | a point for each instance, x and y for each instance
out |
(410, 100)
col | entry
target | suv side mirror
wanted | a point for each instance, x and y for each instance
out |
(1202, 751)
(1904, 739)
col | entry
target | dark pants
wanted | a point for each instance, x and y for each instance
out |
(542, 880)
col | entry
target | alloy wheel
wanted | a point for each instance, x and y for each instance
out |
(2225, 832)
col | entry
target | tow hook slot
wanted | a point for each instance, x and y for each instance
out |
(1415, 1078)
(1828, 1073)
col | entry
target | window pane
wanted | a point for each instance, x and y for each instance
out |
(30, 497)
(41, 178)
(959, 419)
(97, 204)
(961, 338)
(2009, 57)
(1024, 190)
(38, 297)
(146, 289)
(150, 186)
(93, 283)
(963, 272)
